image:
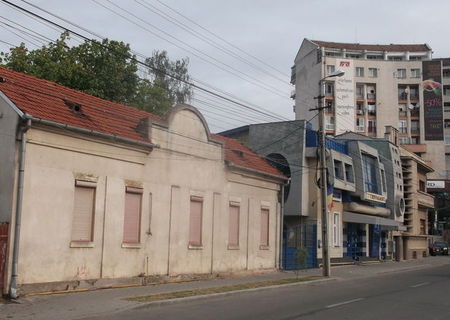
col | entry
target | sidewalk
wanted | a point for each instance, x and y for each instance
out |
(93, 303)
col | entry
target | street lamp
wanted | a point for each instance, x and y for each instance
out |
(323, 173)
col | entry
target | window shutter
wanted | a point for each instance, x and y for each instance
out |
(233, 228)
(132, 217)
(195, 223)
(264, 227)
(83, 214)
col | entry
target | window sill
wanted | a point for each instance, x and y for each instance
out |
(81, 244)
(230, 247)
(264, 247)
(131, 245)
(192, 247)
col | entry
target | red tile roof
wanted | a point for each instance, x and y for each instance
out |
(374, 47)
(243, 156)
(50, 101)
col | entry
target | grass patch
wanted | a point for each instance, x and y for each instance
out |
(205, 291)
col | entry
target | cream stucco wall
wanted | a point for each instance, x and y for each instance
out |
(187, 163)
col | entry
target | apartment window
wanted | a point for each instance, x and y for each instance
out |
(83, 211)
(446, 106)
(349, 173)
(447, 158)
(233, 225)
(403, 140)
(446, 90)
(395, 58)
(369, 173)
(446, 73)
(359, 72)
(360, 108)
(371, 109)
(195, 222)
(447, 140)
(330, 69)
(338, 169)
(422, 185)
(132, 216)
(329, 123)
(415, 58)
(402, 126)
(447, 123)
(360, 125)
(337, 195)
(359, 91)
(371, 92)
(422, 226)
(401, 73)
(373, 72)
(383, 180)
(329, 89)
(414, 127)
(372, 126)
(264, 238)
(374, 57)
(414, 140)
(402, 94)
(336, 229)
(415, 73)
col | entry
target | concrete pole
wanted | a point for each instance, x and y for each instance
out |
(323, 182)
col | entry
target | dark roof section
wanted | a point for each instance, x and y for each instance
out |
(50, 101)
(374, 47)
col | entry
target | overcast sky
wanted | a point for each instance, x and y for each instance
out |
(265, 34)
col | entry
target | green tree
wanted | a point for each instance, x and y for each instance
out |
(106, 69)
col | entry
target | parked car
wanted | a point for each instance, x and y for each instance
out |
(439, 247)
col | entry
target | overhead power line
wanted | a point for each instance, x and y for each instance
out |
(260, 110)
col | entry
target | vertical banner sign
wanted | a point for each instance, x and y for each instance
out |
(432, 100)
(344, 99)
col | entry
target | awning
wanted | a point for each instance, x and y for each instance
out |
(387, 224)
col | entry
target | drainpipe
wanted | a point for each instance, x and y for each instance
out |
(14, 272)
(281, 228)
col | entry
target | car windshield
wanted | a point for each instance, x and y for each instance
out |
(440, 244)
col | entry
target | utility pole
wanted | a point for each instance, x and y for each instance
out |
(323, 173)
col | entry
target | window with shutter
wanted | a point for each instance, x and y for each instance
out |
(233, 225)
(83, 211)
(132, 216)
(195, 222)
(264, 227)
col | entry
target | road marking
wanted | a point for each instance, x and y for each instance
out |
(344, 302)
(419, 284)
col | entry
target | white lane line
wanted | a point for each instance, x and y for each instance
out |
(419, 285)
(342, 303)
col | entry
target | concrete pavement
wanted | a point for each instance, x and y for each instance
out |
(111, 301)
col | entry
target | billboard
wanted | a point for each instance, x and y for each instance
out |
(432, 100)
(344, 97)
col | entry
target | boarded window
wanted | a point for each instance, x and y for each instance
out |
(195, 222)
(233, 227)
(264, 227)
(132, 216)
(83, 211)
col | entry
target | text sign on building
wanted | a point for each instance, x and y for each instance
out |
(432, 100)
(437, 184)
(344, 98)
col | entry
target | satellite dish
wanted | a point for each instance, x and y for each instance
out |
(411, 107)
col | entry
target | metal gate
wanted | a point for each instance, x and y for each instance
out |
(300, 247)
(3, 254)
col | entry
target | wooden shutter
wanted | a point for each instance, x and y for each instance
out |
(132, 216)
(264, 227)
(233, 226)
(195, 222)
(83, 213)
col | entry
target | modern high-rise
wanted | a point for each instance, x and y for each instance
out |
(397, 85)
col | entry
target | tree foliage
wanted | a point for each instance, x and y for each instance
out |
(106, 69)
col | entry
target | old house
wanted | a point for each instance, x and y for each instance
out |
(94, 192)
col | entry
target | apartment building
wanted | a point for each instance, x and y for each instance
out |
(394, 85)
(365, 204)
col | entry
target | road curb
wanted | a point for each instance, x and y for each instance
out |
(228, 293)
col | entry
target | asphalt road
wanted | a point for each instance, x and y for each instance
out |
(420, 294)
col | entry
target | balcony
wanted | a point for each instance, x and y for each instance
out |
(415, 113)
(372, 112)
(403, 130)
(360, 112)
(371, 96)
(414, 97)
(360, 129)
(415, 148)
(402, 113)
(402, 96)
(415, 131)
(425, 200)
(330, 126)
